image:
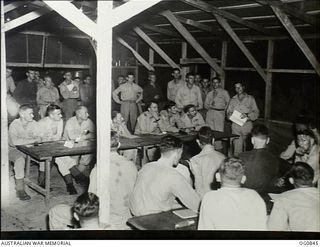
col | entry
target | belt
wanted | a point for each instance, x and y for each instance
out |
(218, 109)
(130, 101)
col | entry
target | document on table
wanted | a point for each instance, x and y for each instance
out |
(185, 213)
(236, 118)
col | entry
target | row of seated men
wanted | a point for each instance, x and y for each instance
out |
(207, 97)
(234, 205)
(41, 92)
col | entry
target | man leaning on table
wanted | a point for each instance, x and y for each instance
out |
(159, 184)
(22, 131)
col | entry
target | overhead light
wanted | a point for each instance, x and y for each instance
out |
(8, 19)
(25, 6)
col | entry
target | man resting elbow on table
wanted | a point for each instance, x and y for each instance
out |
(159, 185)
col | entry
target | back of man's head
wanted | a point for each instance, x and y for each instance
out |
(51, 108)
(114, 140)
(259, 136)
(302, 175)
(86, 206)
(232, 170)
(170, 143)
(205, 136)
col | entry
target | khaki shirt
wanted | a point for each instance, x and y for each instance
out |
(129, 91)
(247, 105)
(22, 135)
(217, 99)
(186, 96)
(147, 124)
(74, 130)
(50, 130)
(172, 89)
(68, 92)
(172, 121)
(47, 96)
(197, 122)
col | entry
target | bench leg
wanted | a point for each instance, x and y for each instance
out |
(47, 183)
(28, 160)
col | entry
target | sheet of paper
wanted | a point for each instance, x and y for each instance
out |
(274, 196)
(235, 117)
(69, 144)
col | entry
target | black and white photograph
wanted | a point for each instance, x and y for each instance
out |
(160, 119)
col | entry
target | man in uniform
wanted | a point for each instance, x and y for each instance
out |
(174, 84)
(152, 91)
(192, 119)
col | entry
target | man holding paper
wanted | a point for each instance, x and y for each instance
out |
(242, 110)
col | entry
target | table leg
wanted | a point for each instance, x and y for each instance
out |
(28, 160)
(47, 186)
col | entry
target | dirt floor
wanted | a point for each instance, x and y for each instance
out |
(32, 215)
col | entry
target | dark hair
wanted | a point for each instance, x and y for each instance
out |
(260, 130)
(169, 105)
(205, 135)
(302, 173)
(114, 114)
(52, 108)
(216, 78)
(170, 143)
(25, 107)
(306, 132)
(86, 205)
(114, 139)
(232, 168)
(120, 76)
(187, 108)
(130, 73)
(189, 74)
(148, 104)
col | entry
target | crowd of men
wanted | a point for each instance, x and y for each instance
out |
(226, 191)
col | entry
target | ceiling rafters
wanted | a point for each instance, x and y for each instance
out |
(160, 30)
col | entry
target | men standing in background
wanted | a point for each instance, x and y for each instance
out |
(11, 86)
(131, 95)
(70, 92)
(26, 92)
(246, 105)
(174, 84)
(152, 91)
(205, 88)
(87, 94)
(189, 94)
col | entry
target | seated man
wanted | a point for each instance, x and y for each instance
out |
(83, 214)
(262, 167)
(192, 119)
(206, 163)
(22, 131)
(159, 184)
(232, 207)
(80, 128)
(297, 209)
(123, 174)
(171, 117)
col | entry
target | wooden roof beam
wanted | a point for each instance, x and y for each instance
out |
(284, 19)
(297, 13)
(160, 30)
(226, 26)
(215, 11)
(14, 5)
(192, 41)
(136, 54)
(25, 19)
(156, 48)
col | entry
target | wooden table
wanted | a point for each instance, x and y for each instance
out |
(47, 151)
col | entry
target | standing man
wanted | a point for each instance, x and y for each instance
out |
(87, 94)
(11, 86)
(131, 95)
(174, 84)
(22, 131)
(197, 80)
(152, 91)
(189, 94)
(26, 92)
(205, 88)
(216, 103)
(12, 105)
(70, 92)
(246, 105)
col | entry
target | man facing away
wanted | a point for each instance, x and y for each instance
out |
(174, 85)
(297, 209)
(232, 207)
(262, 167)
(189, 94)
(206, 163)
(159, 184)
(131, 95)
(22, 131)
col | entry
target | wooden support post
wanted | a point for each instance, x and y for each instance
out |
(136, 54)
(185, 69)
(5, 198)
(284, 19)
(151, 56)
(226, 26)
(104, 74)
(155, 47)
(268, 98)
(137, 63)
(191, 40)
(224, 53)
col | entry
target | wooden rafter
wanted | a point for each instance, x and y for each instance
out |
(160, 30)
(284, 19)
(192, 41)
(25, 19)
(226, 26)
(268, 92)
(214, 10)
(155, 47)
(297, 13)
(136, 54)
(14, 5)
